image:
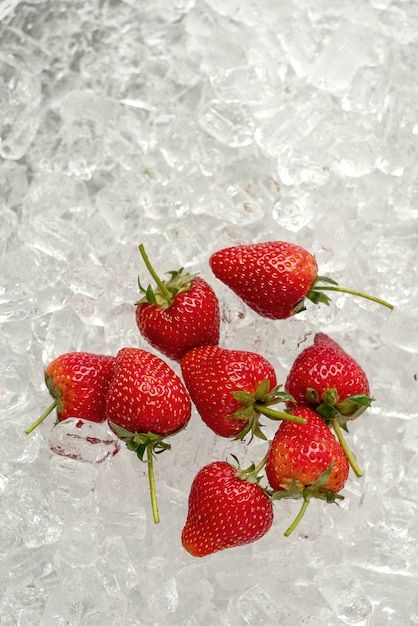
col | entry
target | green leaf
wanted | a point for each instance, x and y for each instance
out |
(312, 396)
(327, 412)
(243, 413)
(140, 450)
(323, 478)
(330, 396)
(294, 492)
(299, 307)
(122, 433)
(361, 399)
(318, 296)
(262, 390)
(325, 279)
(150, 295)
(243, 397)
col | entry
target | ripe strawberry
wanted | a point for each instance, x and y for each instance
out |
(226, 509)
(275, 277)
(145, 402)
(230, 388)
(327, 379)
(324, 373)
(306, 461)
(183, 312)
(78, 382)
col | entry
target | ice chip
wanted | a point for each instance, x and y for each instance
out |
(83, 440)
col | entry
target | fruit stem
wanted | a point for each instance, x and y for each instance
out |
(278, 415)
(153, 273)
(354, 293)
(260, 466)
(42, 417)
(151, 478)
(343, 444)
(299, 516)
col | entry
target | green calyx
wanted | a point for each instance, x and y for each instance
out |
(146, 446)
(336, 414)
(140, 442)
(163, 295)
(254, 404)
(294, 489)
(251, 473)
(316, 295)
(54, 391)
(328, 405)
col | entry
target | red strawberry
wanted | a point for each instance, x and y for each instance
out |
(326, 378)
(225, 510)
(181, 313)
(145, 402)
(274, 277)
(230, 388)
(324, 373)
(78, 382)
(306, 461)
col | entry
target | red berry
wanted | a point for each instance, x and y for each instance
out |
(182, 313)
(230, 388)
(146, 395)
(273, 278)
(306, 461)
(146, 401)
(78, 382)
(302, 452)
(324, 374)
(225, 510)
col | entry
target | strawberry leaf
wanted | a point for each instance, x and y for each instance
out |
(327, 412)
(317, 296)
(292, 488)
(330, 396)
(323, 478)
(150, 295)
(243, 397)
(312, 396)
(262, 390)
(325, 279)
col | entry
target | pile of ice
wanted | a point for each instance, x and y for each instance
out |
(190, 125)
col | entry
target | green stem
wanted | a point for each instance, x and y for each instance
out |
(42, 417)
(260, 466)
(278, 415)
(354, 293)
(153, 273)
(151, 478)
(299, 516)
(347, 451)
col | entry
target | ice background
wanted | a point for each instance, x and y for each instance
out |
(191, 125)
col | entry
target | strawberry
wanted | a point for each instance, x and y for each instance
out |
(275, 277)
(324, 373)
(78, 382)
(230, 388)
(227, 508)
(329, 380)
(146, 401)
(183, 312)
(306, 461)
